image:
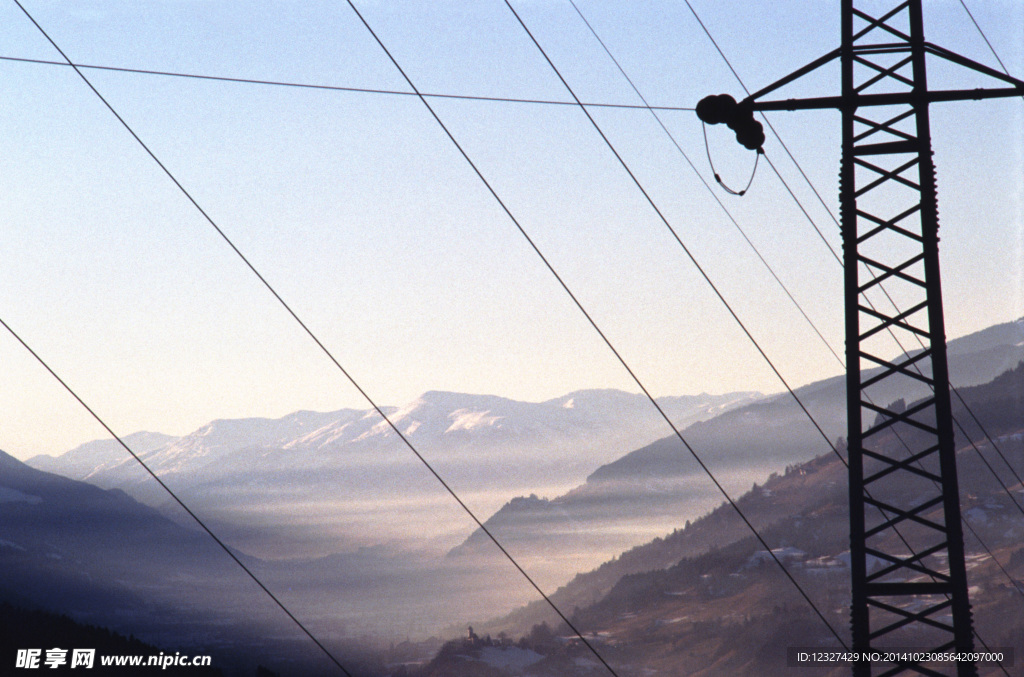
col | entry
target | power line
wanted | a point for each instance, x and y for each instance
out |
(834, 449)
(522, 231)
(985, 38)
(917, 367)
(375, 91)
(323, 349)
(561, 103)
(586, 315)
(223, 235)
(174, 496)
(842, 460)
(707, 186)
(335, 88)
(713, 194)
(814, 225)
(663, 219)
(678, 239)
(906, 544)
(708, 280)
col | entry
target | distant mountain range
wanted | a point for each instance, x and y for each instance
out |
(648, 491)
(312, 484)
(132, 563)
(302, 484)
(333, 512)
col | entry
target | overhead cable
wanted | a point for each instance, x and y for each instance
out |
(322, 347)
(330, 356)
(886, 293)
(579, 306)
(835, 255)
(707, 186)
(178, 500)
(701, 270)
(985, 38)
(834, 449)
(336, 88)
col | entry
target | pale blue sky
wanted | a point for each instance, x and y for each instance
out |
(366, 219)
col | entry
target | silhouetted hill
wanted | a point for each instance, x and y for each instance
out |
(707, 600)
(102, 559)
(33, 629)
(642, 493)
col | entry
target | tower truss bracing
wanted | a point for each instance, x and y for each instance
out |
(909, 581)
(907, 554)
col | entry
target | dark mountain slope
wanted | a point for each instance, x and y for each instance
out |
(102, 558)
(23, 628)
(708, 590)
(650, 490)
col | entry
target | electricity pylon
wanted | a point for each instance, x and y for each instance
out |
(909, 580)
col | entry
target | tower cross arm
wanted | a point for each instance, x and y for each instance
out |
(952, 56)
(857, 100)
(1016, 88)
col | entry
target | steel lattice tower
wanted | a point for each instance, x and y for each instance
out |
(909, 581)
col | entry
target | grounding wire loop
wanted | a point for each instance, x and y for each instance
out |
(718, 179)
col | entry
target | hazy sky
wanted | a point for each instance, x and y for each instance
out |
(363, 215)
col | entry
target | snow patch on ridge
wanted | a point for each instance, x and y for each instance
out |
(465, 419)
(322, 436)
